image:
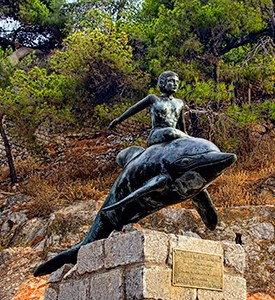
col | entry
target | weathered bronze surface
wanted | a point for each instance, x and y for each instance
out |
(197, 270)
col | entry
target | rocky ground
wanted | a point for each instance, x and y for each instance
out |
(16, 280)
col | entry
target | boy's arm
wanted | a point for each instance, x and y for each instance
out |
(181, 121)
(139, 106)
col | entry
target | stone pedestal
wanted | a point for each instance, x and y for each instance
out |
(138, 265)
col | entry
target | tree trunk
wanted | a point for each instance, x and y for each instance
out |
(8, 150)
(216, 73)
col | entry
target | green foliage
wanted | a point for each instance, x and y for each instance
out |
(38, 12)
(205, 92)
(84, 49)
(234, 17)
(244, 115)
(213, 45)
(95, 66)
(252, 113)
(92, 19)
(234, 126)
(200, 30)
(104, 114)
(84, 14)
(248, 65)
(6, 68)
(100, 63)
(35, 98)
(33, 11)
(267, 109)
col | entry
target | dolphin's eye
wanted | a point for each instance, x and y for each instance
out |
(184, 162)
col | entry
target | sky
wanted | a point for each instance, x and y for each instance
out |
(9, 23)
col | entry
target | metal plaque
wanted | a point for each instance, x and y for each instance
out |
(197, 270)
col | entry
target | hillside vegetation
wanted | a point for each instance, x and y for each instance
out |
(102, 54)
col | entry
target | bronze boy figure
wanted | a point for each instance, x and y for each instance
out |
(166, 111)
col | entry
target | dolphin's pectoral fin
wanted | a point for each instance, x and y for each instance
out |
(206, 209)
(154, 184)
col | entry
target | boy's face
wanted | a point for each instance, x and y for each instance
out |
(171, 84)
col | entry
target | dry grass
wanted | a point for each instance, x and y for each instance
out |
(251, 180)
(240, 188)
(42, 194)
(82, 172)
(47, 196)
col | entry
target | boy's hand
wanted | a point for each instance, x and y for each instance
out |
(113, 124)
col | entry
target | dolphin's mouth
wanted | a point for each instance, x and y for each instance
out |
(188, 183)
(215, 164)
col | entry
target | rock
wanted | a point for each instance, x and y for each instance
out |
(58, 274)
(16, 200)
(262, 231)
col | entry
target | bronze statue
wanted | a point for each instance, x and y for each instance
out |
(174, 168)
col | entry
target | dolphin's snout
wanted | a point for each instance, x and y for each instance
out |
(215, 163)
(222, 157)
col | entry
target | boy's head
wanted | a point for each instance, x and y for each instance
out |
(164, 77)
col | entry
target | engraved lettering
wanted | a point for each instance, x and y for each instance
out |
(195, 269)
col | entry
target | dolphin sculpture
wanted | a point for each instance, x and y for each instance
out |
(162, 175)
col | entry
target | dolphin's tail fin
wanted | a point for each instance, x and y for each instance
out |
(206, 209)
(100, 229)
(66, 257)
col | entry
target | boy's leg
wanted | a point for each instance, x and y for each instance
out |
(162, 135)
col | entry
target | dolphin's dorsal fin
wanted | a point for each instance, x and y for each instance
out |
(128, 154)
(206, 209)
(156, 183)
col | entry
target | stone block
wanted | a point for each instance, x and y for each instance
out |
(138, 266)
(148, 282)
(234, 289)
(75, 290)
(136, 247)
(107, 286)
(50, 294)
(183, 293)
(91, 257)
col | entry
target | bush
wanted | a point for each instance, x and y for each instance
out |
(100, 63)
(35, 97)
(103, 114)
